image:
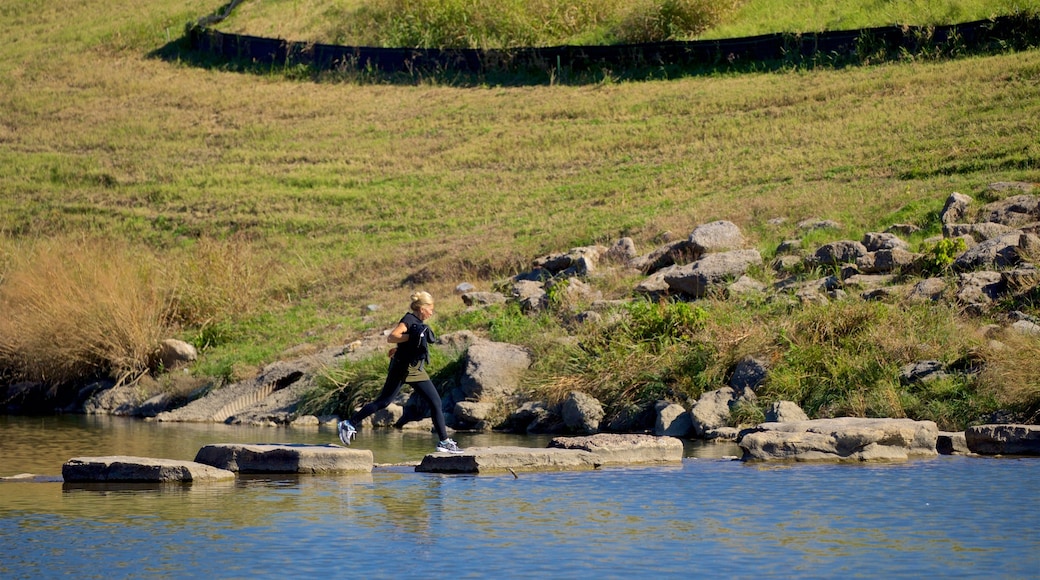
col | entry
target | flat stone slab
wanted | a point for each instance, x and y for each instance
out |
(1004, 439)
(563, 454)
(129, 469)
(285, 458)
(841, 439)
(616, 449)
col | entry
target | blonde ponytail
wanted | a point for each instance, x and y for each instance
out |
(420, 299)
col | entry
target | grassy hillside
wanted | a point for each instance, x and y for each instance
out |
(265, 211)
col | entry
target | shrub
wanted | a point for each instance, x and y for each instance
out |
(516, 23)
(659, 20)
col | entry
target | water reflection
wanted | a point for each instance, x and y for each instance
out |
(951, 516)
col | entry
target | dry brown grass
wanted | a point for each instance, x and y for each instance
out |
(81, 307)
(77, 308)
(1012, 372)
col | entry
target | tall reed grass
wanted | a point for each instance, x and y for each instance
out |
(81, 308)
(85, 307)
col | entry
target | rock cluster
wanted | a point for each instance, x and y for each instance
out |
(990, 249)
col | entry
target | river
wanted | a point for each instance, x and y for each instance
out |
(712, 516)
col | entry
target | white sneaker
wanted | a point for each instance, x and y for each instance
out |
(347, 432)
(448, 446)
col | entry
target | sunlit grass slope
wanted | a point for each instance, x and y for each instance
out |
(331, 196)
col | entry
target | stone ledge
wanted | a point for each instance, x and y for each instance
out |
(841, 439)
(128, 469)
(1004, 439)
(285, 458)
(564, 453)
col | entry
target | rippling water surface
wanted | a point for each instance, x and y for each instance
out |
(946, 517)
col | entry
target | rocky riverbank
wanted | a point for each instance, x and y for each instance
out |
(991, 251)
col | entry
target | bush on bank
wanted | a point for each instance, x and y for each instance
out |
(516, 23)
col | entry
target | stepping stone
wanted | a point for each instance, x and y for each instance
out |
(285, 458)
(1004, 439)
(128, 469)
(563, 454)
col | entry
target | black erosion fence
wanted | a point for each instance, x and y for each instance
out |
(1015, 32)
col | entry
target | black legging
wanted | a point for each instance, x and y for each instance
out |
(394, 381)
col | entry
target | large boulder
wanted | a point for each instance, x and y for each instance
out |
(174, 353)
(1000, 252)
(129, 469)
(285, 458)
(840, 252)
(841, 439)
(956, 208)
(1013, 211)
(581, 413)
(785, 412)
(1004, 439)
(672, 420)
(712, 410)
(493, 370)
(716, 236)
(711, 271)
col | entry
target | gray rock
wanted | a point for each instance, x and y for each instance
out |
(722, 434)
(930, 289)
(464, 288)
(493, 369)
(129, 469)
(483, 298)
(875, 241)
(902, 229)
(786, 263)
(174, 353)
(718, 236)
(952, 443)
(818, 224)
(625, 449)
(711, 271)
(285, 458)
(789, 247)
(979, 287)
(1000, 252)
(672, 420)
(472, 411)
(749, 373)
(530, 295)
(978, 232)
(1004, 439)
(840, 252)
(622, 251)
(885, 261)
(745, 285)
(785, 412)
(956, 209)
(1013, 211)
(712, 410)
(924, 371)
(1026, 327)
(841, 439)
(581, 413)
(678, 252)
